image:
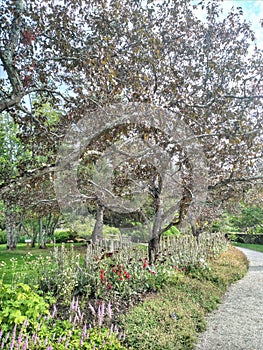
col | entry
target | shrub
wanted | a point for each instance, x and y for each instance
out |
(62, 236)
(173, 231)
(20, 304)
(71, 333)
(110, 230)
(2, 236)
(169, 321)
(172, 318)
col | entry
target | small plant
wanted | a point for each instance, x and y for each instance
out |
(20, 304)
(72, 333)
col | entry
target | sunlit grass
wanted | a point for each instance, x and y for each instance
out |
(257, 247)
(13, 261)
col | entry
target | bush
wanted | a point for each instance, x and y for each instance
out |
(20, 304)
(173, 231)
(172, 318)
(2, 236)
(71, 333)
(169, 321)
(110, 230)
(62, 236)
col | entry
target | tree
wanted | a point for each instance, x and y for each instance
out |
(81, 56)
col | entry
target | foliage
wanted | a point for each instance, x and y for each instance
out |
(93, 272)
(206, 72)
(71, 333)
(169, 318)
(20, 304)
(2, 237)
(128, 279)
(171, 232)
(62, 236)
(172, 318)
(224, 224)
(110, 230)
(60, 273)
(250, 219)
(246, 218)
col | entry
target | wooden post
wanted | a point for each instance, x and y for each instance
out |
(27, 241)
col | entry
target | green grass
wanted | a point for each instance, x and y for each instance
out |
(13, 261)
(257, 247)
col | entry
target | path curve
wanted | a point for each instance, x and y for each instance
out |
(238, 323)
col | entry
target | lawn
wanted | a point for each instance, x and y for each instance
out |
(257, 247)
(12, 261)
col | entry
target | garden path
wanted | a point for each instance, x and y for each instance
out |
(238, 323)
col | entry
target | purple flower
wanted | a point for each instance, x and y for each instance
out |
(72, 305)
(19, 339)
(84, 331)
(92, 310)
(54, 312)
(109, 310)
(101, 313)
(13, 338)
(25, 343)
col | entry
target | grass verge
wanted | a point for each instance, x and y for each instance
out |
(172, 318)
(257, 247)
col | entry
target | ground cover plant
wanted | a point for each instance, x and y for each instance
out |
(97, 290)
(73, 332)
(172, 319)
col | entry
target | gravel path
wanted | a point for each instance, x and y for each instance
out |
(238, 323)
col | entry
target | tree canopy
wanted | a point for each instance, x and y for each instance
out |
(65, 59)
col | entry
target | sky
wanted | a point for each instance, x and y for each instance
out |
(252, 12)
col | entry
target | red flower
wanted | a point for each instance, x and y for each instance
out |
(144, 264)
(109, 286)
(102, 276)
(127, 275)
(120, 279)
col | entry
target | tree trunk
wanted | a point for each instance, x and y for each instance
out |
(51, 224)
(34, 236)
(98, 228)
(155, 236)
(195, 231)
(11, 232)
(41, 238)
(153, 249)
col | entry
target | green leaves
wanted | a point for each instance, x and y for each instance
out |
(18, 304)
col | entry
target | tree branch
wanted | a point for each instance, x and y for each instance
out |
(28, 175)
